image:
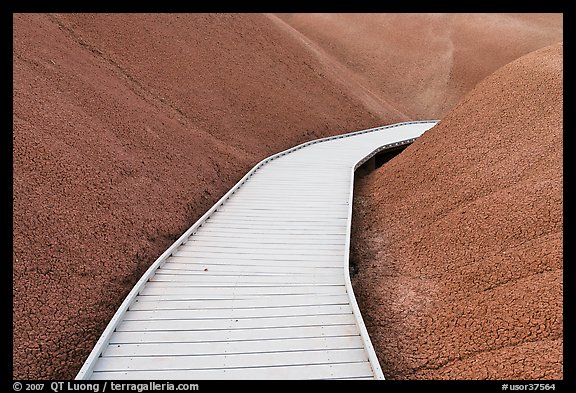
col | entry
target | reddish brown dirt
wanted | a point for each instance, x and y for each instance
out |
(458, 240)
(126, 130)
(128, 127)
(422, 64)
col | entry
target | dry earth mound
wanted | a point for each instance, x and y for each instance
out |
(126, 129)
(423, 64)
(458, 240)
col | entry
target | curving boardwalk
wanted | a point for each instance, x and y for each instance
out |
(259, 287)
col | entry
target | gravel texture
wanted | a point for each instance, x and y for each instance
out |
(458, 240)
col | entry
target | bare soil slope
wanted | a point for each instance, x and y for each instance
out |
(458, 240)
(423, 64)
(126, 129)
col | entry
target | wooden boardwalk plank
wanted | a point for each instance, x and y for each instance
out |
(233, 347)
(317, 371)
(241, 313)
(199, 279)
(201, 336)
(224, 360)
(273, 268)
(156, 288)
(228, 324)
(265, 253)
(154, 303)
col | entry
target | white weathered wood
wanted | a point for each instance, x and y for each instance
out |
(313, 226)
(203, 273)
(238, 313)
(265, 255)
(252, 249)
(208, 268)
(215, 260)
(198, 279)
(309, 371)
(234, 347)
(168, 303)
(274, 203)
(273, 232)
(284, 223)
(270, 238)
(259, 286)
(224, 360)
(170, 288)
(259, 215)
(212, 336)
(249, 246)
(254, 323)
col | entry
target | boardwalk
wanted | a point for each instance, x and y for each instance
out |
(259, 287)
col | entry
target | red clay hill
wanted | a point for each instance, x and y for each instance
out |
(128, 127)
(458, 240)
(422, 64)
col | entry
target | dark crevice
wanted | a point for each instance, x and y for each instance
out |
(378, 160)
